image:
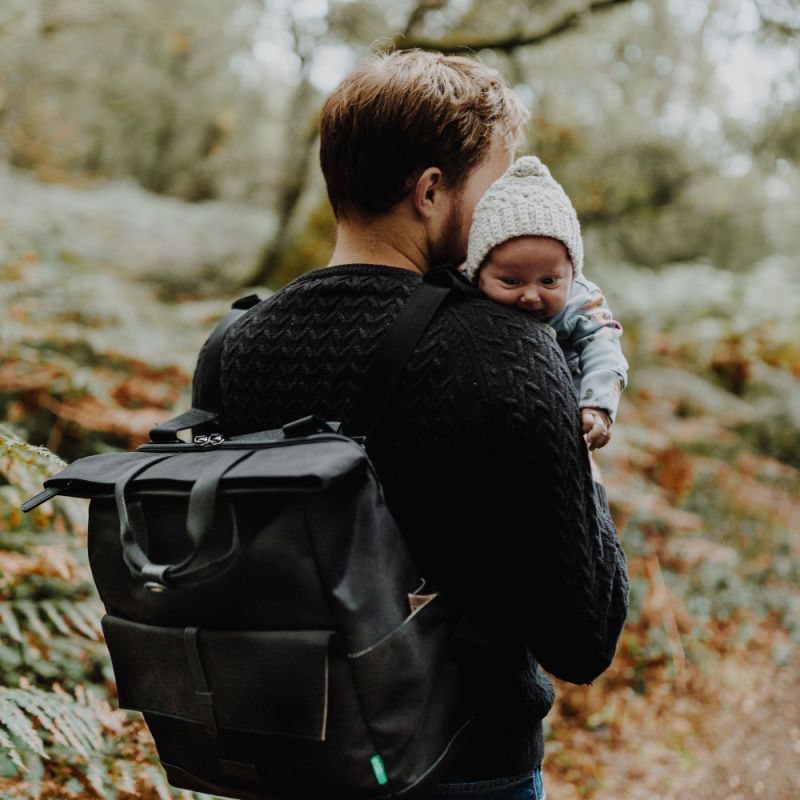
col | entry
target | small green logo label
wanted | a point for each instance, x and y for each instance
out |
(379, 770)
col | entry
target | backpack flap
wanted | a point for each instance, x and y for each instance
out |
(268, 465)
(202, 474)
(285, 674)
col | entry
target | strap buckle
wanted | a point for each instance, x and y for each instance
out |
(307, 425)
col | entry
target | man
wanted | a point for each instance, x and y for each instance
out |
(480, 450)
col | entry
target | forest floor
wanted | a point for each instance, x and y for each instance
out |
(746, 746)
(752, 749)
(703, 477)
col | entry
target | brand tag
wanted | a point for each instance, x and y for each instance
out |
(379, 770)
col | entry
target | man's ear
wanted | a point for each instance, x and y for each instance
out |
(427, 192)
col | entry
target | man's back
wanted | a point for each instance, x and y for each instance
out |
(482, 463)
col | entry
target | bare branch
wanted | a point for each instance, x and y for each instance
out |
(772, 25)
(508, 41)
(783, 28)
(417, 17)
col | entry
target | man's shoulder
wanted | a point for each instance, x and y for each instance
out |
(494, 328)
(507, 357)
(514, 368)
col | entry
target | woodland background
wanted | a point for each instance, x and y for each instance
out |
(158, 159)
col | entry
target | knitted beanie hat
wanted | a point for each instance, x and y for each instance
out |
(525, 201)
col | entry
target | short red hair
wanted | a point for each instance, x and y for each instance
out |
(398, 113)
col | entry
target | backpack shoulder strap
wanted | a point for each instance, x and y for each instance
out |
(389, 361)
(207, 382)
(380, 380)
(206, 386)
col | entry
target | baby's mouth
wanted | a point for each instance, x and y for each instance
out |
(538, 313)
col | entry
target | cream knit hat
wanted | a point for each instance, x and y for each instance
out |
(525, 201)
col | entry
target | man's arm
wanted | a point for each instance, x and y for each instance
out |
(561, 565)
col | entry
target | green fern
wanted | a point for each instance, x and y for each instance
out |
(39, 727)
(50, 631)
(25, 467)
(25, 620)
(80, 733)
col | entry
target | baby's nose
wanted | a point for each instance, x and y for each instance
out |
(530, 295)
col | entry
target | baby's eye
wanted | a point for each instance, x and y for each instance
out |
(549, 281)
(509, 281)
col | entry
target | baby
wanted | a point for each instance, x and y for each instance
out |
(525, 250)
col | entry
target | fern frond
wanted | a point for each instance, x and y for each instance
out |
(10, 624)
(81, 619)
(82, 731)
(17, 725)
(126, 781)
(41, 629)
(67, 617)
(111, 719)
(96, 776)
(52, 614)
(156, 780)
(65, 721)
(7, 745)
(33, 621)
(25, 467)
(84, 726)
(26, 700)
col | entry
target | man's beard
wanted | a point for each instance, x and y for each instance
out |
(452, 246)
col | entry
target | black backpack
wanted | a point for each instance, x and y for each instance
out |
(263, 611)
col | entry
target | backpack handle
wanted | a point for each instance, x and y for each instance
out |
(200, 520)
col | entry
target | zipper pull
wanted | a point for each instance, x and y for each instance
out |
(209, 439)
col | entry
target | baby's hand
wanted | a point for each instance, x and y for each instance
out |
(596, 425)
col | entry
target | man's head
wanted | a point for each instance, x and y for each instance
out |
(417, 126)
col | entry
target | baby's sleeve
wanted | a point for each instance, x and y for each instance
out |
(586, 330)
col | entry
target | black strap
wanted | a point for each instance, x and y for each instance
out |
(389, 362)
(391, 357)
(207, 383)
(42, 497)
(202, 691)
(193, 418)
(380, 380)
(132, 552)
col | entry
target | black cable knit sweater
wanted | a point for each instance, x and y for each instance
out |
(483, 465)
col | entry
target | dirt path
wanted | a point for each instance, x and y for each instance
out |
(735, 738)
(758, 747)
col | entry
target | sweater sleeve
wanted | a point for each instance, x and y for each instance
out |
(564, 579)
(587, 330)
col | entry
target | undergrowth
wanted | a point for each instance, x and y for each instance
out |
(705, 501)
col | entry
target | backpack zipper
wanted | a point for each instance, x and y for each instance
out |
(232, 444)
(208, 439)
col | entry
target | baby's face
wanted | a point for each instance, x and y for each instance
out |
(533, 273)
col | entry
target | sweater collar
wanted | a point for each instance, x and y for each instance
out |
(363, 270)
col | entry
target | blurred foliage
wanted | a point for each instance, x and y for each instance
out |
(310, 249)
(675, 163)
(156, 101)
(708, 512)
(642, 111)
(779, 136)
(79, 369)
(59, 734)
